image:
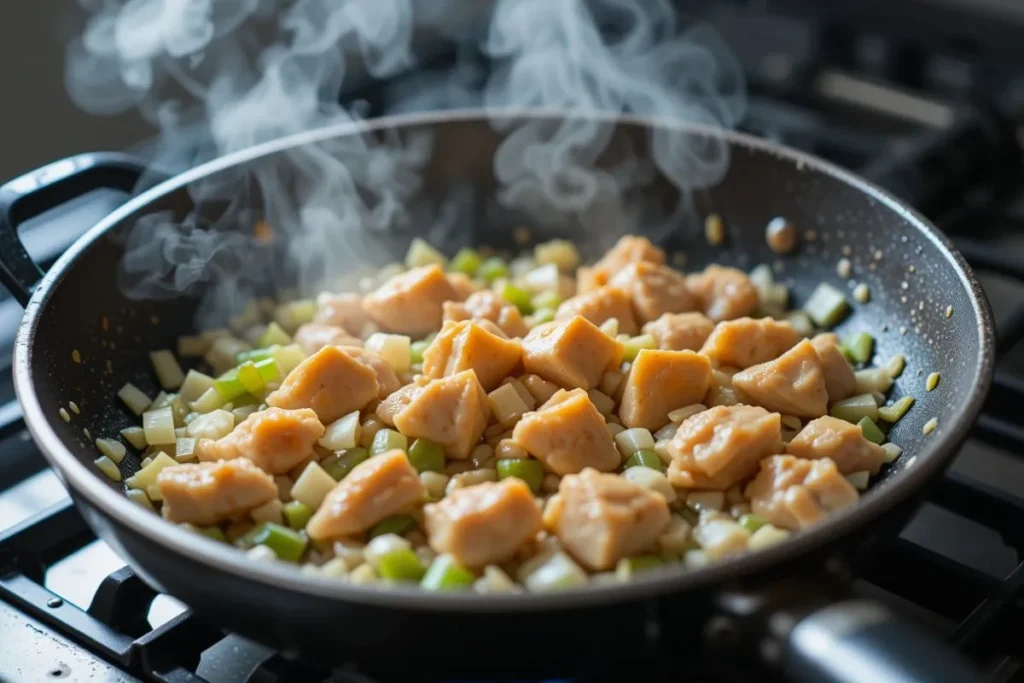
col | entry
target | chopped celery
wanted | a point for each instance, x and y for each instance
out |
(168, 372)
(466, 261)
(634, 345)
(257, 354)
(871, 431)
(108, 467)
(148, 474)
(297, 514)
(897, 410)
(543, 315)
(854, 408)
(416, 350)
(249, 377)
(826, 305)
(401, 564)
(158, 425)
(386, 440)
(208, 402)
(425, 455)
(185, 449)
(396, 524)
(752, 522)
(493, 268)
(274, 336)
(286, 543)
(645, 457)
(194, 386)
(529, 470)
(517, 296)
(445, 574)
(421, 253)
(546, 300)
(340, 467)
(872, 379)
(288, 358)
(557, 572)
(861, 346)
(228, 385)
(268, 369)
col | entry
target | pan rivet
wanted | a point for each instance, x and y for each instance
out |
(54, 603)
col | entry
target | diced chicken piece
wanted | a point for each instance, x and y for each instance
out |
(601, 518)
(462, 284)
(344, 311)
(793, 383)
(661, 381)
(210, 492)
(451, 411)
(629, 249)
(746, 341)
(588, 279)
(839, 441)
(680, 331)
(375, 489)
(723, 293)
(467, 345)
(600, 305)
(794, 493)
(275, 440)
(721, 446)
(840, 381)
(483, 524)
(571, 353)
(488, 305)
(312, 337)
(331, 382)
(399, 401)
(567, 434)
(411, 302)
(655, 290)
(387, 380)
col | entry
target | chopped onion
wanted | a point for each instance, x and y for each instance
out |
(153, 493)
(194, 385)
(494, 580)
(192, 347)
(185, 449)
(148, 474)
(312, 485)
(892, 451)
(872, 379)
(859, 480)
(421, 253)
(676, 536)
(140, 498)
(604, 403)
(395, 349)
(507, 405)
(704, 501)
(159, 426)
(223, 353)
(288, 358)
(342, 433)
(652, 480)
(632, 440)
(558, 571)
(268, 512)
(209, 401)
(610, 327)
(720, 538)
(801, 322)
(134, 398)
(274, 335)
(561, 253)
(854, 408)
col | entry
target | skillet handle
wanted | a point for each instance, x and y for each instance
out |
(46, 188)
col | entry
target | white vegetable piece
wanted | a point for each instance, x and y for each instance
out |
(343, 433)
(288, 358)
(159, 426)
(312, 486)
(268, 512)
(111, 448)
(507, 405)
(435, 483)
(766, 536)
(209, 401)
(892, 451)
(680, 414)
(859, 480)
(148, 474)
(261, 553)
(652, 480)
(194, 386)
(494, 580)
(559, 571)
(136, 436)
(676, 536)
(108, 467)
(704, 501)
(214, 425)
(383, 545)
(168, 372)
(721, 537)
(395, 349)
(421, 253)
(134, 398)
(632, 440)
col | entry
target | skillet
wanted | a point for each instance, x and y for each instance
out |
(787, 607)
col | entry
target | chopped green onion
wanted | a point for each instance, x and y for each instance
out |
(931, 381)
(493, 268)
(108, 467)
(897, 410)
(634, 345)
(529, 470)
(892, 451)
(752, 522)
(861, 346)
(421, 253)
(400, 565)
(517, 296)
(826, 305)
(645, 458)
(557, 572)
(854, 408)
(134, 398)
(168, 372)
(871, 431)
(445, 574)
(286, 543)
(386, 440)
(257, 354)
(426, 456)
(148, 474)
(297, 514)
(416, 350)
(466, 261)
(546, 300)
(340, 467)
(396, 524)
(274, 336)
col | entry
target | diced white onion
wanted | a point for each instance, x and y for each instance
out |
(632, 440)
(680, 414)
(676, 536)
(136, 436)
(261, 553)
(892, 451)
(435, 483)
(558, 571)
(872, 380)
(168, 372)
(159, 426)
(343, 433)
(495, 580)
(652, 480)
(859, 480)
(108, 467)
(148, 474)
(312, 485)
(721, 537)
(134, 398)
(194, 386)
(268, 512)
(111, 448)
(604, 403)
(507, 405)
(703, 501)
(395, 349)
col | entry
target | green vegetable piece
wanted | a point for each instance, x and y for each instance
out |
(386, 440)
(466, 261)
(493, 268)
(645, 457)
(274, 336)
(343, 464)
(249, 377)
(256, 355)
(893, 413)
(445, 574)
(400, 565)
(529, 470)
(543, 315)
(752, 522)
(861, 346)
(854, 408)
(395, 524)
(546, 300)
(426, 456)
(416, 350)
(286, 543)
(517, 296)
(268, 369)
(213, 532)
(826, 305)
(871, 431)
(634, 345)
(640, 563)
(228, 385)
(297, 514)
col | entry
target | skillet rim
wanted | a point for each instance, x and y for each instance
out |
(931, 461)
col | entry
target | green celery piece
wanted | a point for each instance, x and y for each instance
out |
(546, 300)
(386, 440)
(268, 369)
(228, 385)
(517, 296)
(256, 355)
(827, 306)
(339, 468)
(286, 543)
(529, 470)
(297, 514)
(645, 457)
(854, 408)
(416, 350)
(466, 261)
(395, 524)
(249, 377)
(861, 346)
(493, 268)
(871, 431)
(275, 336)
(425, 455)
(752, 522)
(445, 574)
(400, 565)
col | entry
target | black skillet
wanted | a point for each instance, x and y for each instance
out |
(786, 607)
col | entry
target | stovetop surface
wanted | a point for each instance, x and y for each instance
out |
(956, 568)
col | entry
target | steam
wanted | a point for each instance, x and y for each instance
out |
(219, 76)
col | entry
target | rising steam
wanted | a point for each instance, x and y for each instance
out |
(218, 76)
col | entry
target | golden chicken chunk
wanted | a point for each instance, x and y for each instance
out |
(840, 381)
(680, 331)
(462, 284)
(793, 383)
(571, 353)
(839, 441)
(399, 401)
(602, 518)
(746, 341)
(210, 492)
(655, 290)
(331, 382)
(720, 447)
(661, 381)
(312, 337)
(483, 524)
(375, 489)
(344, 311)
(567, 434)
(599, 305)
(794, 493)
(723, 293)
(275, 440)
(451, 411)
(488, 305)
(411, 302)
(467, 345)
(629, 249)
(387, 380)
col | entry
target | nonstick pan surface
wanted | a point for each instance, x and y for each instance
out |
(838, 214)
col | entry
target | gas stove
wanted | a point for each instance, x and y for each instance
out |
(925, 97)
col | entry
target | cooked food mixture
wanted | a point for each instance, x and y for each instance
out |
(532, 424)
